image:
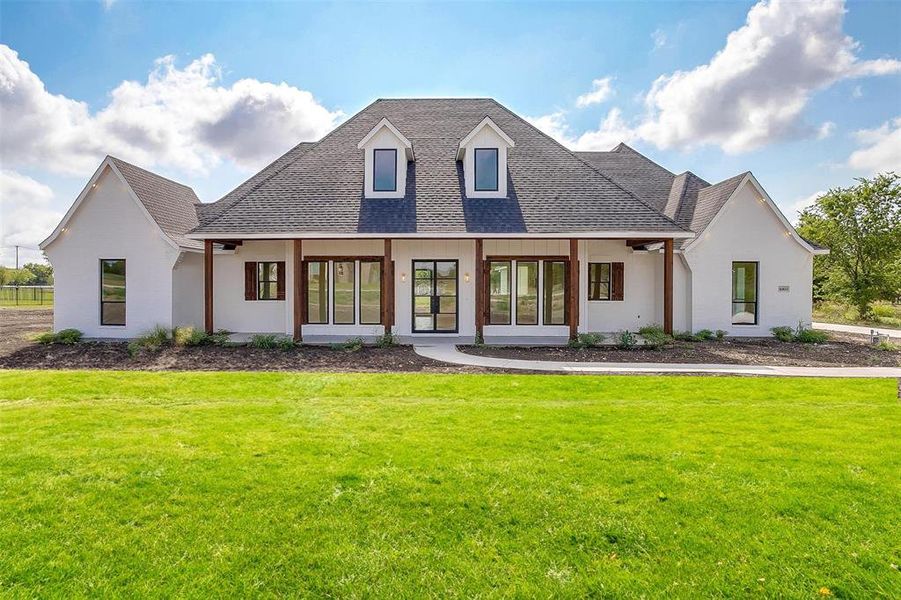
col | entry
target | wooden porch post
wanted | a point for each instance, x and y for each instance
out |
(208, 285)
(668, 286)
(300, 290)
(573, 288)
(388, 288)
(480, 289)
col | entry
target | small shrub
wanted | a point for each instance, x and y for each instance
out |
(720, 334)
(479, 340)
(48, 337)
(264, 341)
(810, 336)
(704, 335)
(152, 341)
(625, 339)
(586, 340)
(783, 333)
(220, 337)
(386, 340)
(654, 336)
(351, 345)
(684, 336)
(189, 336)
(68, 336)
(286, 344)
(887, 346)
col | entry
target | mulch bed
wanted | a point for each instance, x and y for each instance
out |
(842, 350)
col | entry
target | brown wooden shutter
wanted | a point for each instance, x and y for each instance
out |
(617, 276)
(280, 280)
(250, 281)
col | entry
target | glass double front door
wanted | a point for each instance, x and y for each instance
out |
(435, 296)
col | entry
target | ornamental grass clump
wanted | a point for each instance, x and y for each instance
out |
(654, 336)
(64, 336)
(586, 340)
(152, 341)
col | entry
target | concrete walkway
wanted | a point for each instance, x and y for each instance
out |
(892, 333)
(448, 353)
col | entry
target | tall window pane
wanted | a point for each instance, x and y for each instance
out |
(744, 293)
(499, 292)
(384, 165)
(554, 293)
(527, 292)
(112, 292)
(486, 169)
(370, 292)
(344, 292)
(267, 281)
(317, 292)
(599, 281)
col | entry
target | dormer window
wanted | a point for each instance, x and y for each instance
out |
(486, 169)
(386, 153)
(484, 156)
(384, 164)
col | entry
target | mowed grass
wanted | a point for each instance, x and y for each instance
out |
(416, 485)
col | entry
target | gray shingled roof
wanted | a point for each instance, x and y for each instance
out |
(172, 205)
(635, 172)
(320, 188)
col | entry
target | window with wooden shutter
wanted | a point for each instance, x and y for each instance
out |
(280, 280)
(618, 286)
(250, 281)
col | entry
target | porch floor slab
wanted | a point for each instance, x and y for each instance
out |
(450, 354)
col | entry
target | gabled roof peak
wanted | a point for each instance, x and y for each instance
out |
(486, 122)
(386, 124)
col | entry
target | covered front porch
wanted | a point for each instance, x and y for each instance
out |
(501, 290)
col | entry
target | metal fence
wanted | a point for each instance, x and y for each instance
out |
(26, 295)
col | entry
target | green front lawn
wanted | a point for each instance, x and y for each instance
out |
(402, 486)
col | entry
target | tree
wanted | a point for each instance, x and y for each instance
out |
(861, 226)
(43, 273)
(19, 277)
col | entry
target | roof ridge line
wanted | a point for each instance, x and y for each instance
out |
(590, 166)
(170, 180)
(285, 166)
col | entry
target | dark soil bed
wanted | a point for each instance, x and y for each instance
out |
(114, 355)
(842, 350)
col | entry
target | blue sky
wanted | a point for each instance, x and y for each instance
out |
(827, 113)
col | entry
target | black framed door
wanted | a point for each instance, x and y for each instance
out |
(435, 291)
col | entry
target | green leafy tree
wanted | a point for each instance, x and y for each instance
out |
(861, 226)
(43, 273)
(21, 277)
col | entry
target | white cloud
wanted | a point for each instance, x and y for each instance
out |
(825, 130)
(108, 4)
(180, 118)
(601, 90)
(612, 130)
(659, 38)
(553, 124)
(754, 90)
(882, 148)
(795, 208)
(857, 92)
(25, 217)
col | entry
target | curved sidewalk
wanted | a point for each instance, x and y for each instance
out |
(448, 353)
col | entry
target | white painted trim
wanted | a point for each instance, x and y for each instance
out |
(319, 235)
(107, 162)
(386, 123)
(749, 178)
(486, 122)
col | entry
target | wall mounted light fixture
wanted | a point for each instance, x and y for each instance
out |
(403, 277)
(466, 277)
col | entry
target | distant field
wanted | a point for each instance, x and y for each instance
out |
(26, 296)
(886, 315)
(422, 485)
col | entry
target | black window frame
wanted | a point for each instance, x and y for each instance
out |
(375, 152)
(358, 294)
(609, 282)
(509, 293)
(756, 301)
(265, 283)
(538, 269)
(475, 169)
(125, 301)
(548, 307)
(334, 291)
